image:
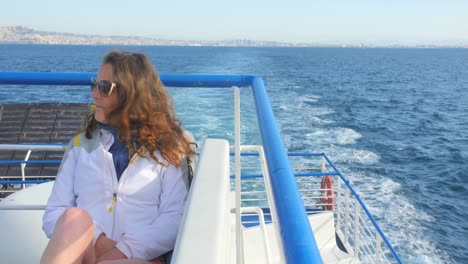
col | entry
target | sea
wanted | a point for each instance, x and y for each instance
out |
(393, 120)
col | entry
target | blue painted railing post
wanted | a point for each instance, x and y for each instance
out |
(296, 234)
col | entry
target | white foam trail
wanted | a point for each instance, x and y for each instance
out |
(318, 120)
(341, 136)
(345, 155)
(299, 109)
(309, 98)
(320, 111)
(399, 219)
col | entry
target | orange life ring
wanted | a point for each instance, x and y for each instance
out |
(328, 194)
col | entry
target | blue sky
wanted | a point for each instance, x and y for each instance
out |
(311, 21)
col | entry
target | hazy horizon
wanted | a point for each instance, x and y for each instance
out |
(367, 22)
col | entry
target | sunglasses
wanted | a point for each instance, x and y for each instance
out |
(104, 87)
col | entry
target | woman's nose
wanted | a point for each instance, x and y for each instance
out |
(95, 94)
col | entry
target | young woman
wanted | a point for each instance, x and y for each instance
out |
(120, 191)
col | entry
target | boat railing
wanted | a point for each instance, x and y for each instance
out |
(261, 190)
(357, 232)
(356, 226)
(298, 242)
(24, 178)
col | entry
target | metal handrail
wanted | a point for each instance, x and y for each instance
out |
(258, 211)
(40, 147)
(20, 162)
(24, 181)
(81, 79)
(366, 210)
(296, 235)
(297, 244)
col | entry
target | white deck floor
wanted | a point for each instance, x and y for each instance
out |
(324, 231)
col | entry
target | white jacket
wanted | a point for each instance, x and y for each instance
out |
(149, 198)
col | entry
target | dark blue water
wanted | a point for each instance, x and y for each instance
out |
(394, 120)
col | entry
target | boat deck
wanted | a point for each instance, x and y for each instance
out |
(44, 123)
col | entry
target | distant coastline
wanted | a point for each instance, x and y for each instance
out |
(25, 35)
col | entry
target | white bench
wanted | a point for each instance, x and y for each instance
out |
(204, 235)
(22, 235)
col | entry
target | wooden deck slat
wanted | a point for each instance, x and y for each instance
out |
(38, 123)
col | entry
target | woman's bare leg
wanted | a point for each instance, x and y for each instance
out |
(126, 261)
(72, 240)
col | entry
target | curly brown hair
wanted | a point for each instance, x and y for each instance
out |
(144, 117)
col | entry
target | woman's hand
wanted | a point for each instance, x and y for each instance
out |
(104, 246)
(113, 254)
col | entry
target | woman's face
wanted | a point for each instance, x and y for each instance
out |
(104, 103)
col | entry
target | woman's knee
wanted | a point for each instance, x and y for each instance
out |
(75, 218)
(72, 238)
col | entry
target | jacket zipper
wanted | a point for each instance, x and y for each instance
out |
(114, 200)
(113, 205)
(112, 211)
(114, 194)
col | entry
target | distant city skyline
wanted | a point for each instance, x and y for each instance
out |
(370, 22)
